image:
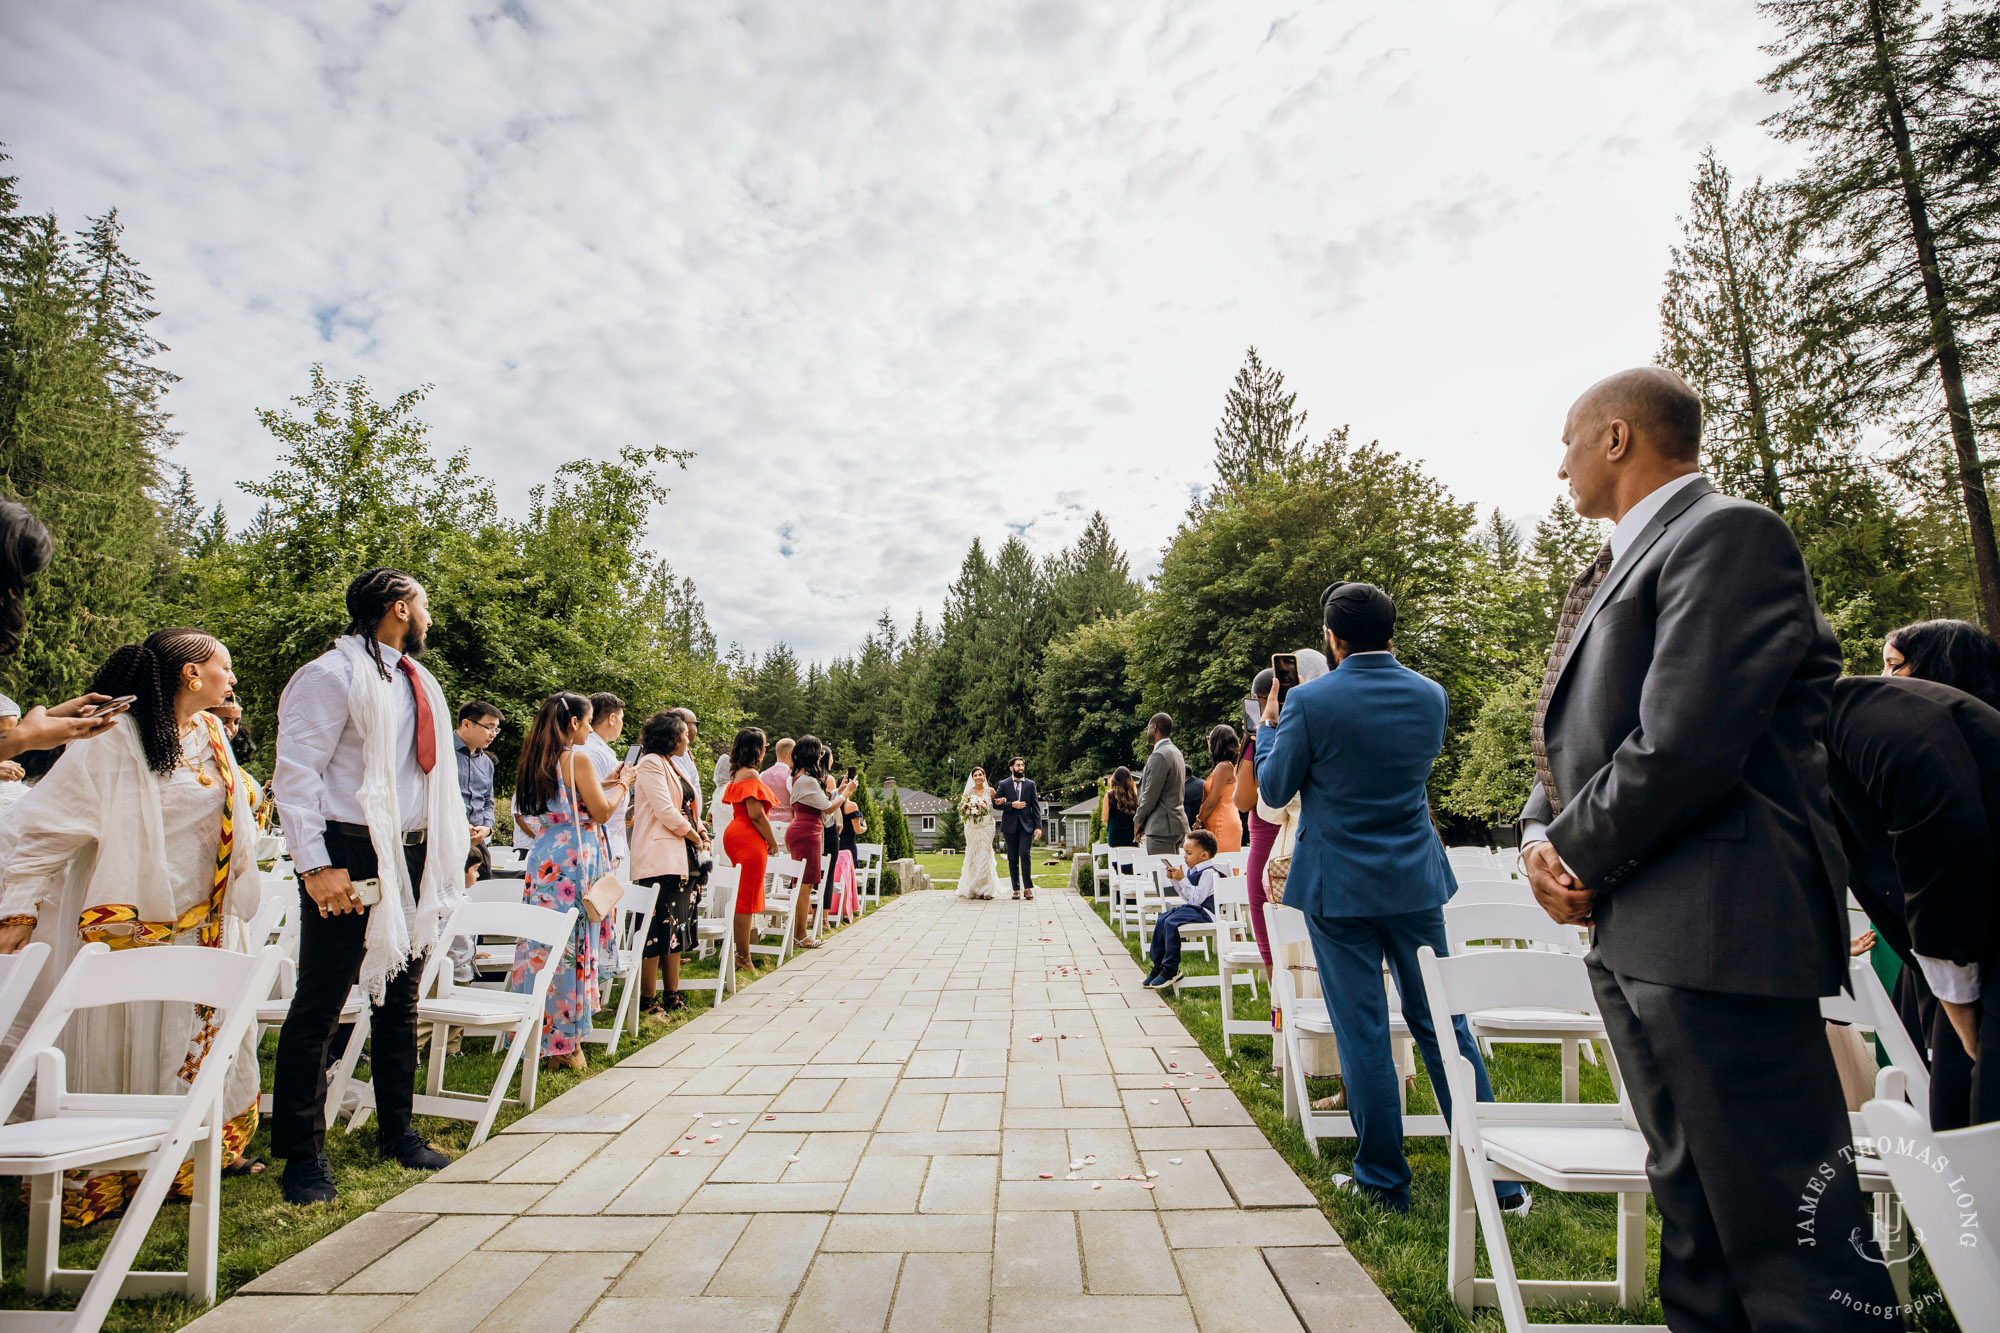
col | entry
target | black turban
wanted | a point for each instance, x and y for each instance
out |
(1360, 614)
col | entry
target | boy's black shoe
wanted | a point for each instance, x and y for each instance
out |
(308, 1180)
(1151, 977)
(1163, 978)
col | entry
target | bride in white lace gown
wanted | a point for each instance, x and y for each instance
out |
(979, 877)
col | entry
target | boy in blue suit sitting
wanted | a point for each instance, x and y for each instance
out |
(1369, 872)
(1197, 890)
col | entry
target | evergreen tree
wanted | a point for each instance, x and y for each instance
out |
(1262, 429)
(1090, 580)
(951, 830)
(81, 429)
(897, 845)
(1895, 105)
(774, 697)
(870, 808)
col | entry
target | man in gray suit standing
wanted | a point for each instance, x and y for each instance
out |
(1160, 820)
(1680, 808)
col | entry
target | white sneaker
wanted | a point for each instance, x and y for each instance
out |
(1520, 1209)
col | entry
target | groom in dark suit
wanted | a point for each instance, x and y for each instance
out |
(1020, 824)
(1680, 809)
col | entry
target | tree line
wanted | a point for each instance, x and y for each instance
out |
(568, 598)
(1840, 327)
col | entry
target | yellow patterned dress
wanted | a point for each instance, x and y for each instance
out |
(196, 896)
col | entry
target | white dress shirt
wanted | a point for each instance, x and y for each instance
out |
(319, 766)
(603, 758)
(1622, 536)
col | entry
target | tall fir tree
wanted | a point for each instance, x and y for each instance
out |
(82, 427)
(1262, 429)
(1894, 103)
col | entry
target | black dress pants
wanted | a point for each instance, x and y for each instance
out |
(330, 951)
(1751, 1159)
(1021, 858)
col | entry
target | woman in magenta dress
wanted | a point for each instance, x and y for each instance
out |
(805, 837)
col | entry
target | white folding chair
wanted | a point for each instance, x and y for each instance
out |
(1100, 871)
(510, 1018)
(150, 1134)
(1494, 891)
(717, 927)
(269, 847)
(635, 921)
(1481, 874)
(1465, 924)
(17, 979)
(868, 872)
(1232, 863)
(782, 891)
(1238, 955)
(1303, 1016)
(1572, 1148)
(1940, 1175)
(1468, 857)
(511, 862)
(1870, 1010)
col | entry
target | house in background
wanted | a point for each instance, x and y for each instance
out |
(1074, 824)
(923, 810)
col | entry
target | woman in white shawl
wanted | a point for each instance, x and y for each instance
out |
(141, 836)
(979, 877)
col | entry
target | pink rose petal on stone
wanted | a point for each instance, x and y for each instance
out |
(1145, 1184)
(713, 1138)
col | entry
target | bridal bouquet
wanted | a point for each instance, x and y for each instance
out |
(972, 807)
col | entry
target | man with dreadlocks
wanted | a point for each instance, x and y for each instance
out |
(363, 796)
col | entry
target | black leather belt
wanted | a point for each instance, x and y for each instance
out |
(412, 838)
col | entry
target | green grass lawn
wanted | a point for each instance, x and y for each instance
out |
(943, 869)
(259, 1230)
(1566, 1236)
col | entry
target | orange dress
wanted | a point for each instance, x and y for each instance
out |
(745, 845)
(1223, 821)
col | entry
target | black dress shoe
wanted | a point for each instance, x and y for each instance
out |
(410, 1149)
(309, 1180)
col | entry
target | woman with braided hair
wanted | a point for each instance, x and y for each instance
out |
(137, 838)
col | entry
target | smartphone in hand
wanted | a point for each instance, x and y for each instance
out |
(632, 757)
(118, 705)
(1285, 666)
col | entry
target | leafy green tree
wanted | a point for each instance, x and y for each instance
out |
(1088, 707)
(1895, 103)
(1496, 771)
(1243, 575)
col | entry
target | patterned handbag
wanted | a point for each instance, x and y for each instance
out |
(1278, 869)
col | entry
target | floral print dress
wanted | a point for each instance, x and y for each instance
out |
(568, 857)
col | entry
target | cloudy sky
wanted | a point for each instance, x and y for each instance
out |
(903, 272)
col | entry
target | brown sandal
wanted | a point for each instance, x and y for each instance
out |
(1029, 894)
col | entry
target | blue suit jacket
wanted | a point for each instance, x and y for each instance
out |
(1359, 743)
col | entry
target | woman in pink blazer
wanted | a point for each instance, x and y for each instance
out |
(667, 842)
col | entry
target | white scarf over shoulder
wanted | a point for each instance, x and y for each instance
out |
(396, 938)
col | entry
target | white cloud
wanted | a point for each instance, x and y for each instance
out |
(901, 274)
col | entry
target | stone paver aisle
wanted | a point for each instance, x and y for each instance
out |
(879, 1135)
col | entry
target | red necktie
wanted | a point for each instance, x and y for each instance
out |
(427, 741)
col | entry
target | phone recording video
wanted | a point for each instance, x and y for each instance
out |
(1285, 666)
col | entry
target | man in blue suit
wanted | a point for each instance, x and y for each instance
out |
(1369, 872)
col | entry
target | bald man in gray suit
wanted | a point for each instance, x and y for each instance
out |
(1681, 809)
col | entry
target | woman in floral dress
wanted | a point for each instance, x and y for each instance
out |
(569, 855)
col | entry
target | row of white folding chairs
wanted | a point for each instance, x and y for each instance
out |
(1506, 861)
(148, 1134)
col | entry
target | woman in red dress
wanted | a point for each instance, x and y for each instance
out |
(749, 842)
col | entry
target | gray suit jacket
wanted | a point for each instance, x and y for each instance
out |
(1685, 733)
(1160, 814)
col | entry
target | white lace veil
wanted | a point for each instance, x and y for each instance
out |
(967, 791)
